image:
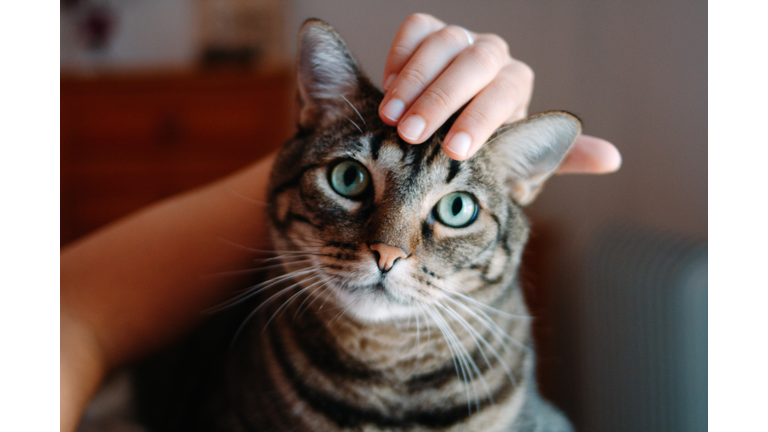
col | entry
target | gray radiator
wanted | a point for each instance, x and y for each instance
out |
(642, 344)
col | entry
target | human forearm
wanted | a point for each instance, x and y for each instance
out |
(124, 280)
(141, 281)
(81, 370)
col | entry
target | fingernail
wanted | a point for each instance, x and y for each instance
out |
(389, 80)
(393, 109)
(459, 144)
(412, 127)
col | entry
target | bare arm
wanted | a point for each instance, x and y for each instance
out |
(143, 280)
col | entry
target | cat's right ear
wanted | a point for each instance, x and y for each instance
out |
(328, 74)
(530, 150)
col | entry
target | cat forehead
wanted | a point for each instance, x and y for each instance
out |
(388, 150)
(421, 167)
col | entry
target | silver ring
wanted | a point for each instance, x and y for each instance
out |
(469, 36)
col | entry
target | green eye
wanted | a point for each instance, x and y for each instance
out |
(457, 209)
(350, 179)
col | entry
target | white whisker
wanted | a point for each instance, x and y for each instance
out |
(323, 285)
(254, 270)
(418, 337)
(491, 325)
(350, 120)
(315, 299)
(247, 198)
(466, 326)
(483, 305)
(397, 326)
(290, 300)
(256, 289)
(356, 111)
(287, 256)
(241, 246)
(265, 303)
(453, 346)
(340, 314)
(490, 347)
(471, 365)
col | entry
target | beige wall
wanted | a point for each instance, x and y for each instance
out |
(635, 72)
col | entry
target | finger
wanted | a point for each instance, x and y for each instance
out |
(409, 37)
(507, 96)
(425, 66)
(471, 72)
(591, 155)
(524, 92)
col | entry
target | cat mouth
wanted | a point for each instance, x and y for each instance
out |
(379, 289)
(374, 287)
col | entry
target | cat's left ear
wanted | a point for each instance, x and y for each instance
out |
(531, 149)
(327, 75)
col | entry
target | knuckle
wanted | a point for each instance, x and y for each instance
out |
(485, 57)
(526, 72)
(479, 119)
(439, 97)
(401, 51)
(453, 35)
(415, 77)
(419, 19)
(499, 42)
(510, 89)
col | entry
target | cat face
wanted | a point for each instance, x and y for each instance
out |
(381, 227)
(455, 227)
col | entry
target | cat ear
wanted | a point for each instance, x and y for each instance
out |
(531, 149)
(327, 75)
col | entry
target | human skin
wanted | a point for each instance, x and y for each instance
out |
(434, 69)
(137, 284)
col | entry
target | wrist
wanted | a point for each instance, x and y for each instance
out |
(82, 368)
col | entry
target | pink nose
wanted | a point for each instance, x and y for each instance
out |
(387, 255)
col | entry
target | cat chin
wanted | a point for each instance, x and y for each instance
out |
(374, 313)
(373, 308)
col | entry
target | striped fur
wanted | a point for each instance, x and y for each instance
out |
(439, 342)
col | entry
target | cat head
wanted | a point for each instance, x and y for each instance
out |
(384, 227)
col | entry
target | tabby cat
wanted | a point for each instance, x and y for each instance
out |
(395, 303)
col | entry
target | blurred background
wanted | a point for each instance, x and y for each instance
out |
(158, 97)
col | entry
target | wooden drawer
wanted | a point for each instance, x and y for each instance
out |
(129, 141)
(120, 119)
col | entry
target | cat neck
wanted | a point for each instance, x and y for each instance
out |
(400, 348)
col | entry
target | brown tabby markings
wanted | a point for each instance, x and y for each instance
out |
(438, 342)
(331, 377)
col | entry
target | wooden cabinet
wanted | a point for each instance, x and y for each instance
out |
(131, 140)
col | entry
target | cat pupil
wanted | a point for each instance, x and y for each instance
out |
(456, 207)
(350, 175)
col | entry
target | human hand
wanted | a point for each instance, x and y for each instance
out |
(434, 69)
